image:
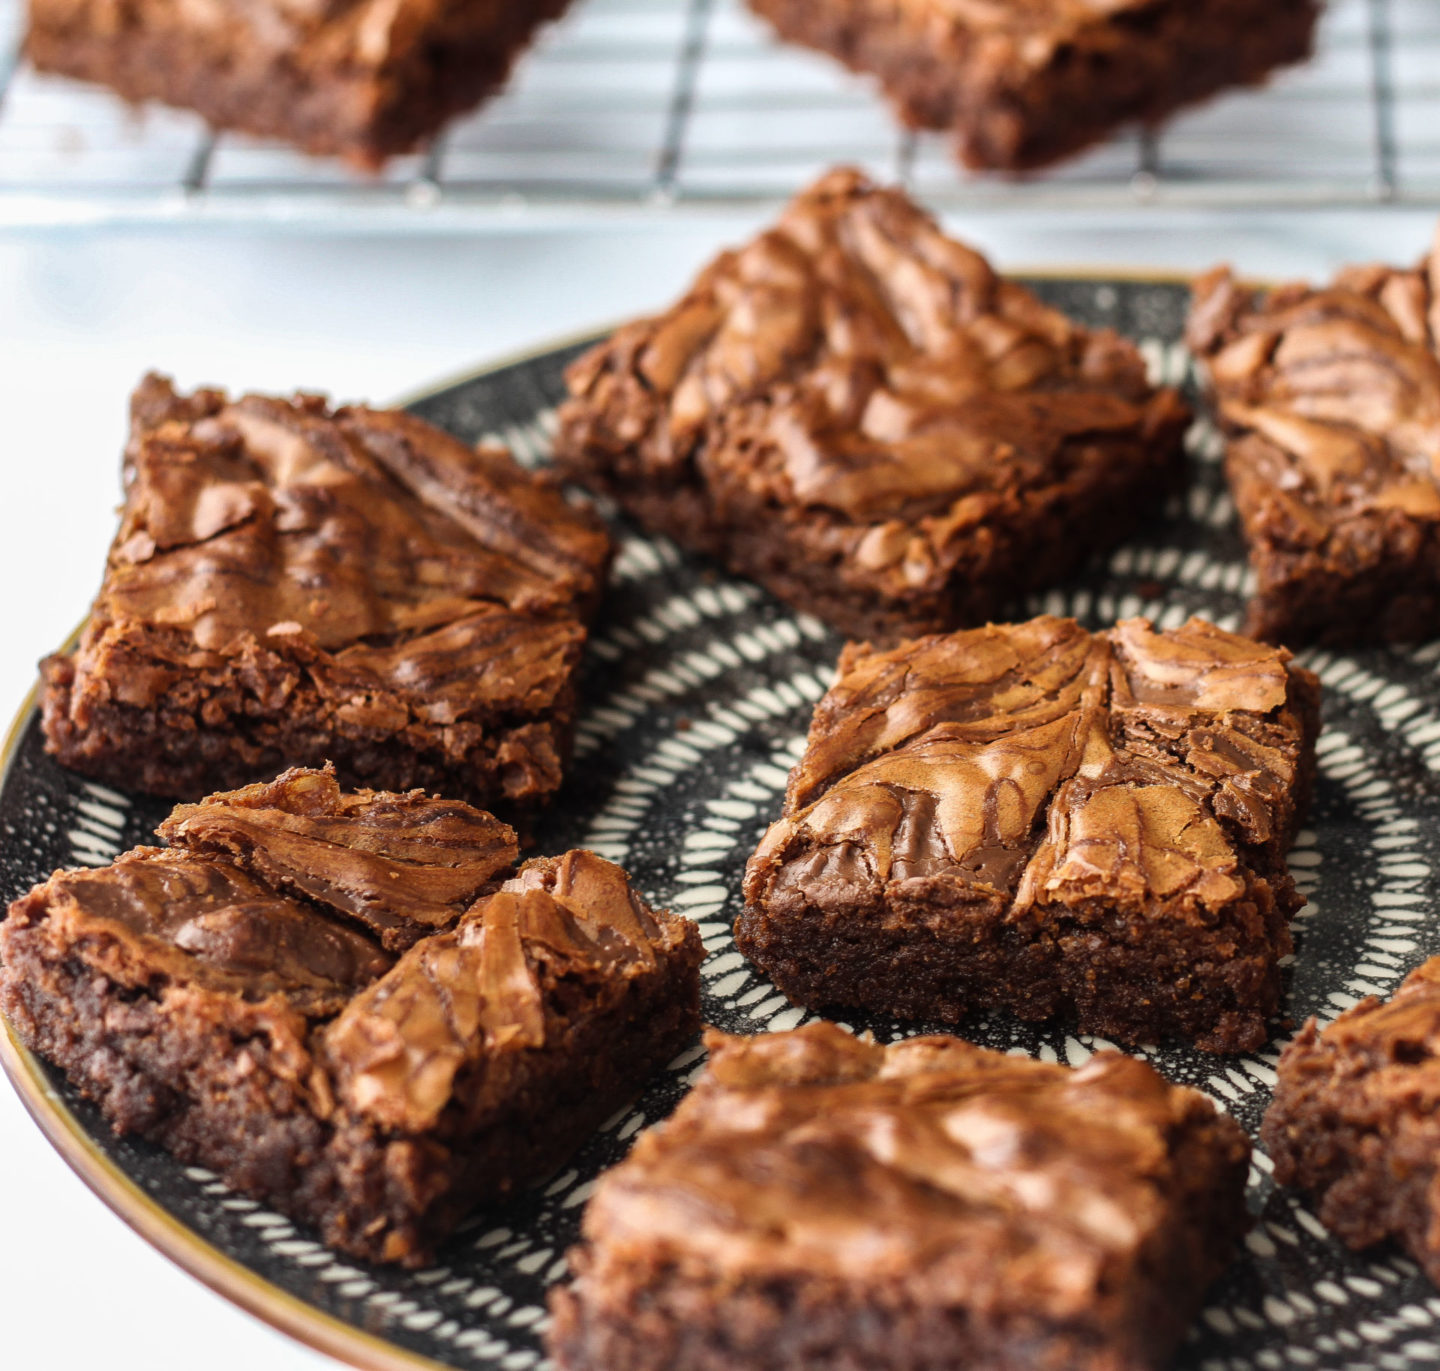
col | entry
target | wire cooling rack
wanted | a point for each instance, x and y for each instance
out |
(630, 109)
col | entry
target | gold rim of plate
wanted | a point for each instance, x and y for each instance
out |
(162, 1230)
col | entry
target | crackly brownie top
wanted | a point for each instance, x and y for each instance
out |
(367, 538)
(563, 931)
(278, 889)
(1044, 766)
(1385, 1053)
(1333, 392)
(981, 1179)
(401, 864)
(855, 360)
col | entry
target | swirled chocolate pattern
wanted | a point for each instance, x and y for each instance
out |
(922, 1204)
(1331, 401)
(856, 411)
(293, 584)
(1048, 820)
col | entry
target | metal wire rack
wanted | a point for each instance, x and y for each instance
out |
(633, 109)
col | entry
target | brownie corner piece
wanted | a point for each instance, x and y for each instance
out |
(1036, 818)
(344, 80)
(820, 1202)
(1353, 1120)
(1329, 399)
(856, 411)
(293, 583)
(236, 999)
(1023, 85)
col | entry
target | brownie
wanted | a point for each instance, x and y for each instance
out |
(822, 1203)
(233, 999)
(1356, 1119)
(1039, 819)
(857, 412)
(1023, 83)
(293, 584)
(364, 79)
(1330, 402)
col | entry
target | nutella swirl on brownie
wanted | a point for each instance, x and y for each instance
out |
(1041, 818)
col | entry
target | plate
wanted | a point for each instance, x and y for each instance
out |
(699, 690)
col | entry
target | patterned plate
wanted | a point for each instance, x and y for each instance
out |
(700, 689)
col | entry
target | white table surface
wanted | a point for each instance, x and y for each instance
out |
(82, 316)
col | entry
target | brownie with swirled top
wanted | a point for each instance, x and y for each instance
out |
(339, 1003)
(857, 412)
(1355, 1121)
(1330, 402)
(293, 584)
(820, 1203)
(1039, 819)
(361, 79)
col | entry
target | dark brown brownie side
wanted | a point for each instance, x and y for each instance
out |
(1046, 821)
(1330, 401)
(292, 585)
(1023, 85)
(854, 410)
(819, 1203)
(315, 79)
(230, 1010)
(1356, 1119)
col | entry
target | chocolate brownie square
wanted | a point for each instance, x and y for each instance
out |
(1039, 819)
(820, 1203)
(364, 79)
(1330, 401)
(1355, 1120)
(232, 998)
(1023, 83)
(293, 584)
(857, 412)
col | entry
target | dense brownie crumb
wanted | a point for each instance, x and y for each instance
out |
(1023, 83)
(820, 1203)
(364, 79)
(1036, 818)
(1354, 1119)
(293, 584)
(857, 412)
(1330, 399)
(230, 998)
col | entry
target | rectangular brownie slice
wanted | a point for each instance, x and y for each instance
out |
(1036, 818)
(364, 79)
(854, 410)
(1354, 1121)
(820, 1203)
(293, 584)
(1330, 402)
(232, 999)
(1023, 83)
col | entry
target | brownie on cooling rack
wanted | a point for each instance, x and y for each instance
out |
(820, 1203)
(1330, 399)
(1034, 818)
(293, 584)
(1022, 83)
(855, 411)
(1356, 1119)
(364, 79)
(235, 998)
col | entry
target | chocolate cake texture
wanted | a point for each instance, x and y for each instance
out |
(820, 1203)
(1330, 400)
(237, 998)
(857, 412)
(293, 584)
(1039, 819)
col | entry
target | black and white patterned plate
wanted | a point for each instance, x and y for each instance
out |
(699, 689)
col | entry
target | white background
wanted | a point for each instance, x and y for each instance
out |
(81, 317)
